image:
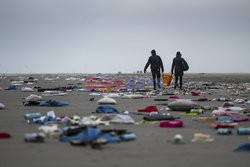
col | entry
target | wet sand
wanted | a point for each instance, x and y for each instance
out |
(151, 148)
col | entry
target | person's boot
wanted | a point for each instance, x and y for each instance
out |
(175, 86)
(154, 85)
(159, 83)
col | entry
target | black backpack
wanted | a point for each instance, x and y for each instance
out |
(184, 66)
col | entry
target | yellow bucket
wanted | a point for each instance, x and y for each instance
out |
(167, 78)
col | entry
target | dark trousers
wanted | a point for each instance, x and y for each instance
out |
(156, 74)
(176, 81)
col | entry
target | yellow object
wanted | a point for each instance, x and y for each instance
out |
(167, 78)
(202, 137)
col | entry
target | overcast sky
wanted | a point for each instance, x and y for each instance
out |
(91, 36)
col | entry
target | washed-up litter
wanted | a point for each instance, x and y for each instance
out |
(241, 119)
(72, 79)
(227, 104)
(182, 105)
(198, 111)
(11, 87)
(29, 79)
(171, 124)
(128, 136)
(33, 97)
(91, 136)
(107, 100)
(202, 137)
(81, 90)
(4, 135)
(53, 103)
(32, 100)
(243, 131)
(165, 108)
(195, 93)
(118, 119)
(173, 97)
(152, 93)
(132, 96)
(34, 137)
(204, 119)
(225, 119)
(92, 99)
(239, 109)
(30, 116)
(224, 131)
(95, 94)
(106, 109)
(74, 121)
(177, 139)
(27, 89)
(64, 89)
(240, 101)
(206, 107)
(63, 119)
(16, 83)
(51, 131)
(81, 130)
(30, 83)
(93, 121)
(53, 93)
(111, 95)
(224, 112)
(36, 118)
(202, 99)
(31, 103)
(2, 106)
(246, 110)
(46, 129)
(159, 117)
(224, 99)
(148, 109)
(223, 125)
(243, 147)
(51, 79)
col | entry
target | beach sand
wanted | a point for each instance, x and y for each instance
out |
(151, 148)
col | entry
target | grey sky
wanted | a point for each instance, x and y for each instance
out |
(93, 36)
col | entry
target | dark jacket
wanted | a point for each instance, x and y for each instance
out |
(155, 62)
(177, 66)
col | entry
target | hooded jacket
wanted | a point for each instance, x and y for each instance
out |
(177, 65)
(155, 62)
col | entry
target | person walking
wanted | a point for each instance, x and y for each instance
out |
(179, 65)
(156, 65)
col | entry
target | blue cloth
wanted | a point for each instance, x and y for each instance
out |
(243, 147)
(84, 136)
(11, 87)
(128, 137)
(106, 109)
(109, 138)
(42, 120)
(88, 135)
(37, 118)
(53, 103)
(225, 119)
